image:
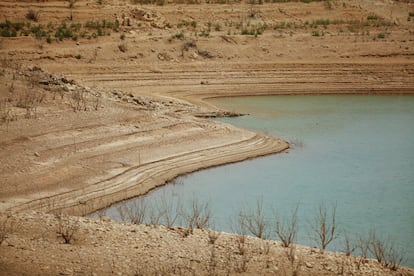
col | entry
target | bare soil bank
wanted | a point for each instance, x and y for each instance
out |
(112, 110)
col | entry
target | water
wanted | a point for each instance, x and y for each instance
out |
(353, 151)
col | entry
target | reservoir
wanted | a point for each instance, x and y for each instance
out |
(355, 152)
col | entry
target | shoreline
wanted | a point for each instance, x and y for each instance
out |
(97, 110)
(80, 201)
(120, 159)
(85, 201)
(124, 186)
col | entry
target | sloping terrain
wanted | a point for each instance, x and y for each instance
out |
(104, 100)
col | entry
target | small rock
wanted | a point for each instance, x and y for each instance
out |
(308, 265)
(36, 154)
(105, 219)
(67, 272)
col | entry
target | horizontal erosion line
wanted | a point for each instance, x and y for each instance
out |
(165, 83)
(72, 198)
(253, 66)
(310, 71)
(308, 78)
(258, 73)
(126, 77)
(295, 91)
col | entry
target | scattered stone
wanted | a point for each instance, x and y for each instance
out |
(105, 219)
(205, 54)
(308, 265)
(164, 56)
(36, 154)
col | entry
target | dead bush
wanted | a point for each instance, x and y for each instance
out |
(32, 15)
(255, 221)
(242, 261)
(6, 113)
(324, 227)
(198, 215)
(166, 211)
(241, 244)
(133, 212)
(5, 227)
(32, 96)
(286, 229)
(348, 245)
(213, 236)
(384, 251)
(29, 100)
(97, 101)
(78, 100)
(66, 228)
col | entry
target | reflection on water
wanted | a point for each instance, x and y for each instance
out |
(353, 151)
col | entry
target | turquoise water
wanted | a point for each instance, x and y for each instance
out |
(353, 151)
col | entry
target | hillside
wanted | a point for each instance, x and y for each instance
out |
(101, 101)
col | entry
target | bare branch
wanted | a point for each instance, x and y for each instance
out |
(287, 230)
(66, 228)
(324, 227)
(255, 221)
(198, 215)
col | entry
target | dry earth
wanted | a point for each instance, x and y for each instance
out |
(113, 111)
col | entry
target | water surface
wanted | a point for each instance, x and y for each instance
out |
(353, 151)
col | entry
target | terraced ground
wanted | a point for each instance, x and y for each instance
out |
(83, 161)
(104, 100)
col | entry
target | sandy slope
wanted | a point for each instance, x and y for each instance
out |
(80, 162)
(109, 248)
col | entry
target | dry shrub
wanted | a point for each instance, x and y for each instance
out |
(286, 229)
(213, 236)
(5, 227)
(349, 246)
(198, 216)
(241, 244)
(32, 15)
(254, 220)
(97, 101)
(166, 211)
(6, 113)
(384, 251)
(78, 100)
(32, 96)
(324, 227)
(66, 228)
(133, 212)
(242, 261)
